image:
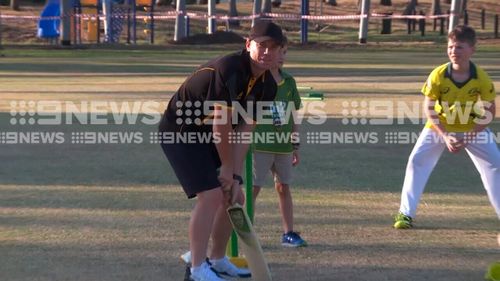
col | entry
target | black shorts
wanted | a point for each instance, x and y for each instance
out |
(195, 165)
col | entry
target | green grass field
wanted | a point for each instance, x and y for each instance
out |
(116, 212)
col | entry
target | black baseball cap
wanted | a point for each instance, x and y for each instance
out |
(266, 30)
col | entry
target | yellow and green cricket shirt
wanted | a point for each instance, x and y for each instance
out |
(455, 101)
(276, 137)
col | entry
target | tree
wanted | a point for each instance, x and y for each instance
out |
(266, 6)
(14, 5)
(410, 7)
(331, 2)
(436, 7)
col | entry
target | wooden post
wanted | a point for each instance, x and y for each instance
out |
(483, 19)
(435, 10)
(233, 12)
(257, 6)
(99, 28)
(266, 6)
(66, 22)
(408, 25)
(386, 24)
(441, 26)
(464, 5)
(0, 30)
(421, 24)
(496, 26)
(414, 21)
(14, 5)
(129, 21)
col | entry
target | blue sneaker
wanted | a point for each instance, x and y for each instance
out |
(292, 239)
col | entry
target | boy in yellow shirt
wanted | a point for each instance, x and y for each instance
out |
(459, 104)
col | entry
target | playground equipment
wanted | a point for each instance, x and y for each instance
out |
(87, 24)
(94, 17)
(148, 7)
(308, 93)
(48, 25)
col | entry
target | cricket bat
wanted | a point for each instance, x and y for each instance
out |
(249, 243)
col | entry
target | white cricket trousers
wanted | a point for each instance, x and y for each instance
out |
(425, 155)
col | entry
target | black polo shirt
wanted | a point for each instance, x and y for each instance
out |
(226, 80)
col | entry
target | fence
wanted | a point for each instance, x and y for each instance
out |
(145, 25)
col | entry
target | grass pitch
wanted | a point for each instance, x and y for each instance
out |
(116, 212)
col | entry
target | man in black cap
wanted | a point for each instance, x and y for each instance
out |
(196, 136)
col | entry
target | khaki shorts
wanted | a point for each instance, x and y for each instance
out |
(279, 164)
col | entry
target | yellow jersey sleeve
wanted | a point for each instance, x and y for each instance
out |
(487, 88)
(431, 86)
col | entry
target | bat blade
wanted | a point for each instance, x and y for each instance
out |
(249, 243)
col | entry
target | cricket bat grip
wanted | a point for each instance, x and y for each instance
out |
(231, 193)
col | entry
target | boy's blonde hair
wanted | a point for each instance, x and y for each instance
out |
(463, 33)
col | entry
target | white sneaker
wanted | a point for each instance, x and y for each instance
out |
(186, 257)
(205, 273)
(225, 267)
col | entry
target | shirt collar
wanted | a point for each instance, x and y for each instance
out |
(472, 71)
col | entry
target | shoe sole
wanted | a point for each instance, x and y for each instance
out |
(225, 275)
(402, 225)
(287, 245)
